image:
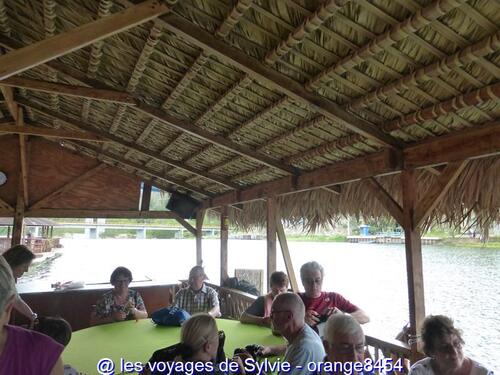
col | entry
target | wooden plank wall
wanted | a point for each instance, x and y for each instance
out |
(51, 166)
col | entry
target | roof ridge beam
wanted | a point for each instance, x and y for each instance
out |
(421, 18)
(35, 54)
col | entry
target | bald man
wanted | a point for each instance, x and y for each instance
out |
(304, 345)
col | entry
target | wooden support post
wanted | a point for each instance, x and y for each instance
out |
(224, 235)
(286, 255)
(271, 236)
(385, 199)
(18, 225)
(413, 248)
(200, 216)
(146, 197)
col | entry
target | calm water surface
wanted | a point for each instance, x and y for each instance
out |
(459, 282)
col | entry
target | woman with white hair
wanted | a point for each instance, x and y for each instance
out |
(23, 352)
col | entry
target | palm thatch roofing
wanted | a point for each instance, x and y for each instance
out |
(392, 72)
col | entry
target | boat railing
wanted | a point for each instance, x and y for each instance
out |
(233, 302)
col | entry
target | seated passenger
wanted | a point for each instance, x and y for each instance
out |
(344, 340)
(320, 305)
(121, 303)
(304, 345)
(19, 258)
(198, 297)
(259, 312)
(443, 347)
(23, 352)
(198, 347)
(58, 329)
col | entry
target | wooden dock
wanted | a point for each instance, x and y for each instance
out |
(389, 239)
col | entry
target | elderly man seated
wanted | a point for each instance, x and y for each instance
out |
(320, 305)
(344, 341)
(198, 297)
(304, 345)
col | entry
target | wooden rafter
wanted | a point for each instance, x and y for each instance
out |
(68, 186)
(135, 77)
(184, 223)
(48, 49)
(445, 107)
(438, 190)
(8, 95)
(478, 142)
(274, 79)
(471, 53)
(127, 144)
(49, 133)
(385, 199)
(106, 95)
(49, 22)
(144, 169)
(215, 139)
(69, 213)
(396, 33)
(5, 206)
(233, 18)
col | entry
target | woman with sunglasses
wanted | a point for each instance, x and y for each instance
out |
(120, 303)
(443, 347)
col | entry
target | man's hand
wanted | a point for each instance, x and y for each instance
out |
(312, 318)
(265, 351)
(119, 316)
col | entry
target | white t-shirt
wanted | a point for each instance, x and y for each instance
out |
(423, 367)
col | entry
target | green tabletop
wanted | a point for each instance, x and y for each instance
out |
(136, 341)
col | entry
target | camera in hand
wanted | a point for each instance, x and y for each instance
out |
(250, 350)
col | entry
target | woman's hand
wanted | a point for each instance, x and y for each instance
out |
(119, 316)
(312, 318)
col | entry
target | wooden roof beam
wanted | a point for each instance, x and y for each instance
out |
(385, 199)
(106, 95)
(23, 150)
(233, 17)
(59, 45)
(5, 206)
(126, 214)
(473, 98)
(437, 191)
(481, 141)
(49, 133)
(271, 77)
(144, 169)
(212, 138)
(127, 144)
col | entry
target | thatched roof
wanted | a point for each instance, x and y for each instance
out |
(406, 70)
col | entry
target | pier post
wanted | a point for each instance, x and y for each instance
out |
(18, 224)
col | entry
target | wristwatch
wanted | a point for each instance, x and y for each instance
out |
(34, 316)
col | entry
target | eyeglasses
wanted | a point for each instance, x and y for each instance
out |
(310, 281)
(122, 281)
(348, 348)
(450, 347)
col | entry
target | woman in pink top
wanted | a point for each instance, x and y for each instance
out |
(23, 352)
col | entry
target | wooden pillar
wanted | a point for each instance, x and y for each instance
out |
(271, 236)
(146, 197)
(18, 225)
(200, 216)
(8, 231)
(413, 248)
(286, 255)
(224, 235)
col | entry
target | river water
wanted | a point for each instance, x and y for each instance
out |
(459, 282)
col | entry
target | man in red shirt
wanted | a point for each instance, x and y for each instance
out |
(320, 305)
